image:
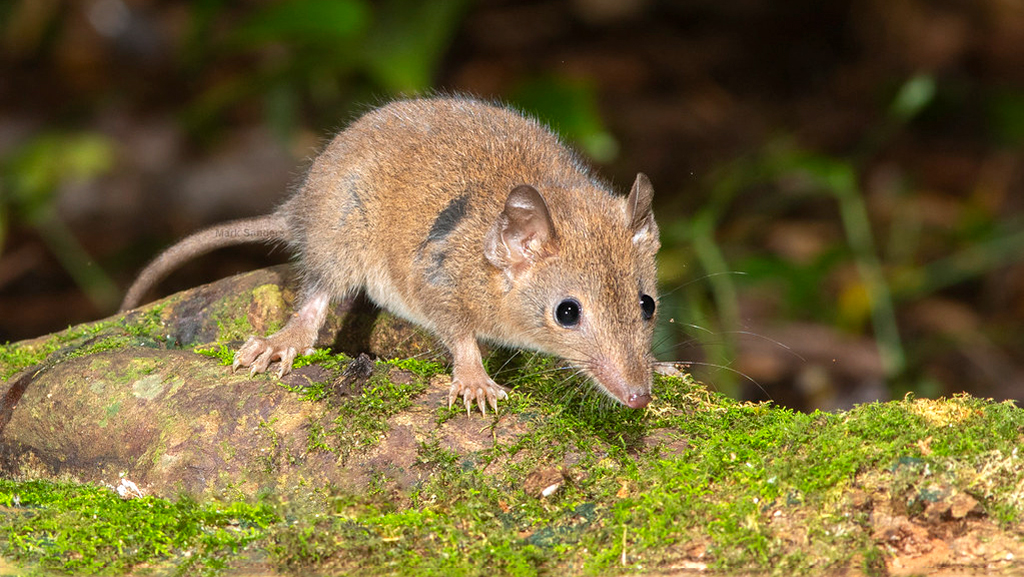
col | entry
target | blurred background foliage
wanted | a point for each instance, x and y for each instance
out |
(840, 185)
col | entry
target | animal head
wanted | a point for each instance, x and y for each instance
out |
(582, 270)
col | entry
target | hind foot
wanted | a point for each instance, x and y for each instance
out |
(297, 337)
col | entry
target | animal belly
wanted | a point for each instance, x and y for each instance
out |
(383, 291)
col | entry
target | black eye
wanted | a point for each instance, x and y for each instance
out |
(646, 307)
(567, 313)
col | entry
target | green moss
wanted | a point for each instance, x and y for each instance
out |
(231, 325)
(84, 340)
(109, 343)
(324, 358)
(147, 323)
(232, 321)
(318, 438)
(233, 328)
(423, 369)
(220, 351)
(362, 419)
(755, 488)
(89, 529)
(739, 480)
(15, 357)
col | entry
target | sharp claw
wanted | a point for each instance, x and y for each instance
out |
(480, 395)
(257, 354)
(287, 358)
(264, 360)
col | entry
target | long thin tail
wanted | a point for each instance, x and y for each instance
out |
(269, 228)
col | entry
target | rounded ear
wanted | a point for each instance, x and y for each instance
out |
(641, 218)
(523, 233)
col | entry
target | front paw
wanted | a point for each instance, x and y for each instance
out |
(484, 391)
(258, 352)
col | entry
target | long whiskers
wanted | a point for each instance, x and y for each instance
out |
(775, 342)
(738, 372)
(702, 278)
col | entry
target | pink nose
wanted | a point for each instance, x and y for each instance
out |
(636, 401)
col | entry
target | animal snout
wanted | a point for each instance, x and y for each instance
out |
(633, 391)
(638, 400)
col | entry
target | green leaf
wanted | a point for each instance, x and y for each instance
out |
(569, 106)
(1005, 111)
(309, 20)
(915, 94)
(409, 40)
(34, 173)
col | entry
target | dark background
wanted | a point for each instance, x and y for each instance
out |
(840, 185)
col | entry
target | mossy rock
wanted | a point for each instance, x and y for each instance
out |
(128, 445)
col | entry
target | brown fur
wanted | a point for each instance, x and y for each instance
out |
(412, 203)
